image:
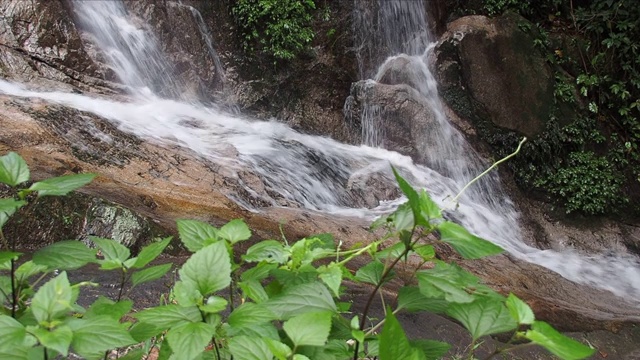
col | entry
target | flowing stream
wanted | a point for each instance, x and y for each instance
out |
(314, 172)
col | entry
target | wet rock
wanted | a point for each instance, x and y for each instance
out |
(115, 222)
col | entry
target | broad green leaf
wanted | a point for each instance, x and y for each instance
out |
(402, 218)
(149, 274)
(6, 256)
(13, 169)
(447, 281)
(371, 273)
(111, 249)
(29, 269)
(287, 278)
(258, 272)
(53, 299)
(150, 252)
(234, 231)
(428, 208)
(12, 332)
(249, 348)
(300, 357)
(300, 299)
(484, 316)
(433, 350)
(394, 344)
(133, 354)
(214, 304)
(411, 299)
(325, 241)
(465, 243)
(7, 208)
(519, 310)
(209, 269)
(5, 288)
(261, 330)
(142, 331)
(169, 315)
(426, 252)
(196, 234)
(391, 252)
(413, 197)
(58, 339)
(270, 251)
(111, 335)
(17, 353)
(279, 350)
(190, 339)
(65, 255)
(249, 314)
(61, 185)
(332, 276)
(309, 328)
(107, 307)
(562, 346)
(186, 293)
(252, 289)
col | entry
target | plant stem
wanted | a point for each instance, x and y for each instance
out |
(123, 279)
(14, 295)
(215, 345)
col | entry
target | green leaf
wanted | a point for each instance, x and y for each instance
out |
(433, 350)
(562, 346)
(6, 256)
(53, 299)
(371, 273)
(29, 269)
(252, 289)
(7, 208)
(65, 255)
(484, 316)
(300, 299)
(447, 281)
(280, 351)
(58, 339)
(519, 310)
(414, 199)
(190, 339)
(169, 315)
(250, 314)
(249, 348)
(426, 252)
(332, 276)
(107, 307)
(149, 274)
(142, 331)
(209, 269)
(196, 234)
(394, 344)
(13, 169)
(309, 328)
(411, 299)
(269, 251)
(402, 218)
(468, 245)
(234, 231)
(391, 252)
(214, 304)
(61, 185)
(151, 252)
(111, 335)
(133, 354)
(428, 208)
(111, 249)
(12, 332)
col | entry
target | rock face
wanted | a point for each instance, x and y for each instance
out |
(491, 67)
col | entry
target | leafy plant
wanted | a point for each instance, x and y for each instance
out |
(274, 300)
(279, 28)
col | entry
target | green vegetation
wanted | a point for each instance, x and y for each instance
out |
(592, 164)
(275, 300)
(278, 28)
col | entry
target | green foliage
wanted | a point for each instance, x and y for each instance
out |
(277, 300)
(279, 28)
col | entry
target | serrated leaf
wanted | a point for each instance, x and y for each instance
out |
(196, 234)
(309, 328)
(107, 307)
(65, 255)
(61, 185)
(258, 272)
(151, 252)
(250, 314)
(252, 289)
(465, 243)
(332, 276)
(214, 304)
(149, 274)
(562, 346)
(209, 269)
(13, 169)
(133, 354)
(234, 231)
(484, 316)
(111, 335)
(394, 344)
(57, 339)
(186, 293)
(391, 252)
(402, 218)
(53, 299)
(169, 315)
(426, 252)
(29, 269)
(432, 350)
(190, 339)
(300, 299)
(447, 281)
(249, 348)
(411, 299)
(12, 332)
(371, 273)
(111, 249)
(7, 208)
(519, 310)
(279, 350)
(142, 331)
(269, 251)
(428, 208)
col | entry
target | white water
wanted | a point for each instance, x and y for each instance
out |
(310, 171)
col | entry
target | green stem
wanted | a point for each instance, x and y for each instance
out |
(358, 252)
(123, 279)
(455, 199)
(215, 345)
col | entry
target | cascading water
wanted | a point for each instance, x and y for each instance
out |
(310, 171)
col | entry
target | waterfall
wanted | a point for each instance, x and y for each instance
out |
(316, 173)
